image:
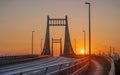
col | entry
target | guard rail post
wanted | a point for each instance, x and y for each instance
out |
(46, 70)
(21, 74)
(59, 69)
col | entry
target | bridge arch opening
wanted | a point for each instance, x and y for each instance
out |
(56, 32)
(56, 49)
(56, 43)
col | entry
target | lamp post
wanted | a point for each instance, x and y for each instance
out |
(89, 30)
(41, 46)
(110, 51)
(84, 41)
(75, 46)
(113, 51)
(32, 40)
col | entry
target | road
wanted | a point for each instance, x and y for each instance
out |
(36, 64)
(99, 66)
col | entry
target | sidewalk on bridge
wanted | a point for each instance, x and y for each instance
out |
(95, 68)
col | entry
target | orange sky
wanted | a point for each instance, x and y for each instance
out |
(19, 18)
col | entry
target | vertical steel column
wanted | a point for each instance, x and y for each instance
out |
(32, 40)
(41, 46)
(89, 32)
(52, 46)
(84, 40)
(110, 50)
(89, 29)
(75, 46)
(89, 35)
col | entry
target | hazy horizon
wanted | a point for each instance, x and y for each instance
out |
(19, 17)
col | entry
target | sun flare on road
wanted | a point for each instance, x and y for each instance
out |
(82, 51)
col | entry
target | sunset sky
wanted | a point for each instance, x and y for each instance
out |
(19, 17)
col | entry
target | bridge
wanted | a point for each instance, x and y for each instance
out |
(68, 63)
(68, 50)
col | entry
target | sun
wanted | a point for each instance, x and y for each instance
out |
(82, 51)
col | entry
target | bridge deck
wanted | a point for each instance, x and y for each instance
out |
(98, 66)
(95, 69)
(33, 65)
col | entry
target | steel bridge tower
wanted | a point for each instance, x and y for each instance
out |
(68, 50)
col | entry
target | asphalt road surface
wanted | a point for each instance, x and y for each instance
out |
(36, 64)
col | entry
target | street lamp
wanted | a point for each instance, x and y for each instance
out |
(89, 29)
(84, 41)
(32, 41)
(75, 46)
(41, 45)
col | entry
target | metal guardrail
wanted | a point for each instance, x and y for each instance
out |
(7, 60)
(17, 57)
(78, 68)
(71, 68)
(82, 70)
(112, 69)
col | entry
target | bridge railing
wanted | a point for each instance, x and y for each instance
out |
(7, 60)
(112, 69)
(71, 68)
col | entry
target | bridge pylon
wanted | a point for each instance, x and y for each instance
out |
(68, 50)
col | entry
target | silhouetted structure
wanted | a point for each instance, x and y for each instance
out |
(68, 50)
(57, 41)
